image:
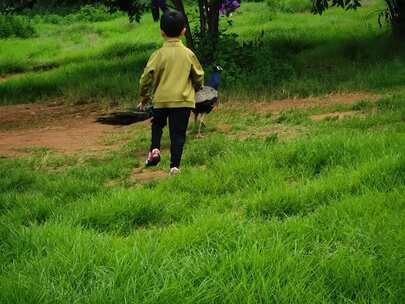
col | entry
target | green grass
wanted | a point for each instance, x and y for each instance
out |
(299, 55)
(269, 208)
(317, 219)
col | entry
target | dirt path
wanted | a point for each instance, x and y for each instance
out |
(55, 126)
(10, 76)
(71, 128)
(27, 116)
(85, 136)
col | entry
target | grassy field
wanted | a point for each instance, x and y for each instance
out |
(300, 55)
(270, 207)
(315, 219)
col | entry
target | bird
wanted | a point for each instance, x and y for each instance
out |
(207, 98)
(126, 118)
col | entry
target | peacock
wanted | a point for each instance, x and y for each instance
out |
(206, 100)
(126, 118)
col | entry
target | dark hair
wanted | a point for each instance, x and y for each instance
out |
(172, 23)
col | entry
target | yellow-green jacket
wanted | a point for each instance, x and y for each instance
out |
(171, 77)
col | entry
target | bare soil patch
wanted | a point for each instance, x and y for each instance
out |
(65, 128)
(282, 133)
(146, 175)
(276, 106)
(83, 136)
(334, 115)
(9, 76)
(54, 126)
(45, 114)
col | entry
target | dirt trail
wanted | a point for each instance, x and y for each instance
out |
(140, 175)
(54, 125)
(9, 76)
(82, 136)
(27, 116)
(334, 115)
(71, 128)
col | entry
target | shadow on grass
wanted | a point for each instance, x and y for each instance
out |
(285, 64)
(112, 74)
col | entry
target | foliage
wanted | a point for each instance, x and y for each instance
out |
(91, 13)
(12, 6)
(102, 60)
(269, 209)
(290, 6)
(394, 13)
(15, 26)
(319, 6)
(226, 50)
(134, 8)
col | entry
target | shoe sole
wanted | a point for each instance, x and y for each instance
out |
(154, 162)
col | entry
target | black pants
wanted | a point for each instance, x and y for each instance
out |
(178, 122)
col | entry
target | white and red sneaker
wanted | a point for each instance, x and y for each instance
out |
(174, 171)
(153, 158)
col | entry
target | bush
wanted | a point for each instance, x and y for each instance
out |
(290, 6)
(15, 26)
(51, 18)
(60, 15)
(92, 13)
(236, 58)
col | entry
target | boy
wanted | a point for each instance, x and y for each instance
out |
(171, 77)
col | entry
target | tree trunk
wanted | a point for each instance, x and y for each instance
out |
(398, 29)
(180, 7)
(202, 4)
(213, 18)
(209, 20)
(397, 13)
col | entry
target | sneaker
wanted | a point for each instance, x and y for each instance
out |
(153, 158)
(174, 171)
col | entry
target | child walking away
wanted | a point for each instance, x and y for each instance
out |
(171, 77)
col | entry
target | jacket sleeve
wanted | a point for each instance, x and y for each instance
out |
(197, 73)
(147, 79)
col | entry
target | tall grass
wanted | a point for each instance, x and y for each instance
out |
(15, 26)
(251, 219)
(290, 6)
(298, 55)
(318, 219)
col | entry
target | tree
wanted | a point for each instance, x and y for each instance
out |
(134, 8)
(394, 12)
(10, 6)
(180, 7)
(209, 19)
(209, 11)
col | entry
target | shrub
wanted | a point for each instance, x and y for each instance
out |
(290, 6)
(61, 15)
(92, 13)
(52, 18)
(15, 26)
(238, 59)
